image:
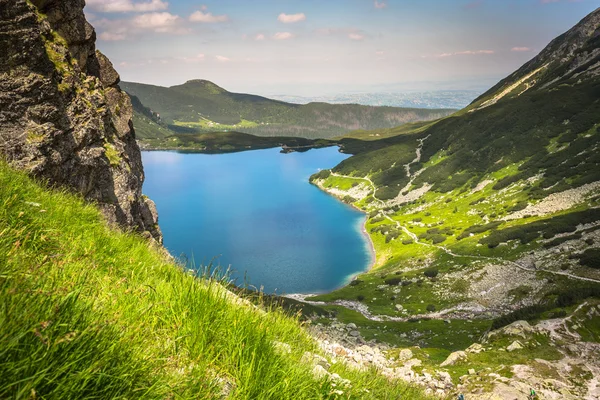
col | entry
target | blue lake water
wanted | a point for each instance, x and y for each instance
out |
(256, 212)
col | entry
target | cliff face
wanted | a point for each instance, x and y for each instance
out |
(63, 117)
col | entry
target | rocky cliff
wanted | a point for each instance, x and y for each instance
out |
(63, 117)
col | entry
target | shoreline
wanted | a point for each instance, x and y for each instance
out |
(364, 232)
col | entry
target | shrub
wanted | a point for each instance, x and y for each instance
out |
(430, 308)
(590, 258)
(548, 227)
(360, 297)
(408, 241)
(391, 236)
(395, 281)
(475, 229)
(436, 239)
(323, 174)
(431, 272)
(355, 282)
(521, 205)
(348, 199)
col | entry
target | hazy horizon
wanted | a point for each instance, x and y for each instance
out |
(314, 47)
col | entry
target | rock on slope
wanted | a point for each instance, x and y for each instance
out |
(63, 117)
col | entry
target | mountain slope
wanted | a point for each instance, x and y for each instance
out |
(487, 216)
(204, 106)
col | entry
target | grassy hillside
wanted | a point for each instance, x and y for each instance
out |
(89, 312)
(492, 209)
(204, 106)
(485, 217)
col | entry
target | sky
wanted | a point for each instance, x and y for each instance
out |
(316, 47)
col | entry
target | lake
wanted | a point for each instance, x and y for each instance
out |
(256, 212)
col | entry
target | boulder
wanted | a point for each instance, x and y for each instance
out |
(453, 358)
(516, 345)
(405, 354)
(475, 348)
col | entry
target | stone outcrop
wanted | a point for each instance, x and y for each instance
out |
(63, 117)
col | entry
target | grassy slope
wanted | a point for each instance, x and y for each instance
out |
(202, 105)
(89, 312)
(526, 146)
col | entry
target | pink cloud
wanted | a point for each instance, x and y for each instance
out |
(520, 49)
(206, 17)
(158, 22)
(380, 4)
(283, 36)
(126, 5)
(291, 18)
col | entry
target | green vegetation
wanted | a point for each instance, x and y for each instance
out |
(551, 302)
(203, 106)
(229, 142)
(112, 154)
(92, 312)
(548, 228)
(447, 223)
(590, 258)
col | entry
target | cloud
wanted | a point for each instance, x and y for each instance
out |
(380, 53)
(291, 18)
(282, 36)
(127, 5)
(520, 49)
(380, 4)
(158, 22)
(222, 58)
(110, 36)
(464, 53)
(200, 16)
(259, 37)
(350, 33)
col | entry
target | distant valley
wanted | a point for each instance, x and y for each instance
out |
(443, 99)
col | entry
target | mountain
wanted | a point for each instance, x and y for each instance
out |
(488, 216)
(205, 107)
(63, 117)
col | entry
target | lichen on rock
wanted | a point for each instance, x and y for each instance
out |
(63, 117)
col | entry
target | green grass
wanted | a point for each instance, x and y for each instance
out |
(90, 312)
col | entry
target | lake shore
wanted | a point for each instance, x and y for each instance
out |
(364, 232)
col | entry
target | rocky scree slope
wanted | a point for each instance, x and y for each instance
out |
(63, 117)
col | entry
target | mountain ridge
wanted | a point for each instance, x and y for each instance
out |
(483, 219)
(206, 107)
